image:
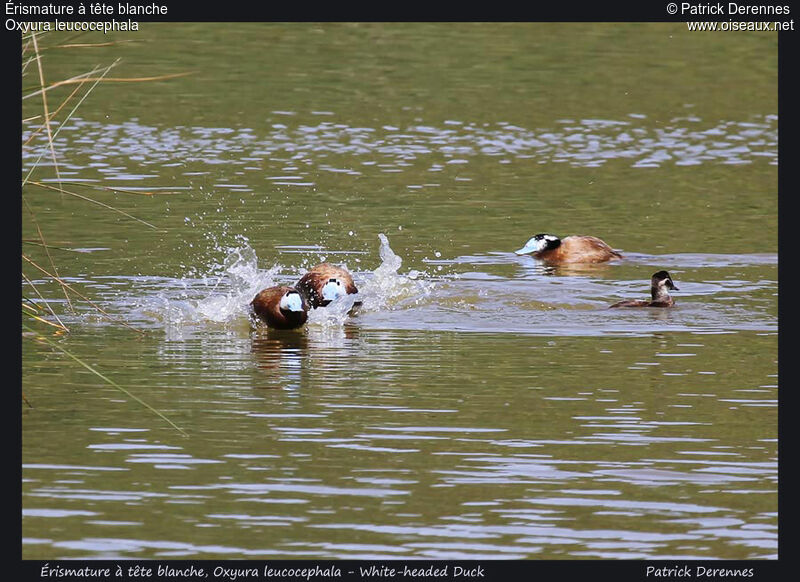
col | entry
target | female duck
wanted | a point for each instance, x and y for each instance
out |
(573, 249)
(324, 283)
(659, 284)
(281, 307)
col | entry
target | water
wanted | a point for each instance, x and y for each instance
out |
(478, 404)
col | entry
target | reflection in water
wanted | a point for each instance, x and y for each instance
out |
(530, 266)
(282, 353)
(287, 355)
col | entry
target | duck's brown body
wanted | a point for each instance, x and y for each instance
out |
(660, 283)
(267, 306)
(643, 303)
(312, 283)
(579, 249)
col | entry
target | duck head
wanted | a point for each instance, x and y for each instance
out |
(539, 243)
(292, 302)
(280, 307)
(332, 290)
(324, 283)
(660, 283)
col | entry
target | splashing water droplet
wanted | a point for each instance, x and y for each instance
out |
(387, 288)
(334, 314)
(391, 262)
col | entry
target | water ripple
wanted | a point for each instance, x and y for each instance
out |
(682, 141)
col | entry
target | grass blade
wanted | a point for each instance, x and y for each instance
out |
(44, 105)
(67, 118)
(103, 204)
(81, 295)
(50, 309)
(109, 381)
(46, 250)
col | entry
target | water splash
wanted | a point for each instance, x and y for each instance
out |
(391, 261)
(387, 288)
(335, 314)
(222, 296)
(719, 294)
(243, 280)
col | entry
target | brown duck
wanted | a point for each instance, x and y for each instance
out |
(324, 283)
(573, 249)
(659, 284)
(281, 307)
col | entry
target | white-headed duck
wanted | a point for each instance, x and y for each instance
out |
(659, 284)
(324, 283)
(573, 249)
(281, 307)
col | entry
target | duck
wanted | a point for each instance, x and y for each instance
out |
(325, 282)
(280, 307)
(660, 282)
(572, 249)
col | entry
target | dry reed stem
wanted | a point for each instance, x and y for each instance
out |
(44, 105)
(31, 312)
(116, 189)
(75, 79)
(35, 290)
(93, 201)
(81, 295)
(60, 107)
(42, 320)
(47, 252)
(30, 241)
(109, 381)
(92, 44)
(109, 80)
(67, 118)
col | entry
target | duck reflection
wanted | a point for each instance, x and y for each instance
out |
(281, 353)
(531, 266)
(291, 357)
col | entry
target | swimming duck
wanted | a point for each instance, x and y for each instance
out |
(659, 283)
(573, 249)
(324, 283)
(281, 307)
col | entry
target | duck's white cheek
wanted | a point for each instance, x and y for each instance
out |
(291, 303)
(332, 291)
